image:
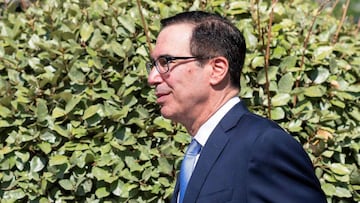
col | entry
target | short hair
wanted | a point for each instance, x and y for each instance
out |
(213, 36)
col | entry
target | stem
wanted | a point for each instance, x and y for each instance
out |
(345, 8)
(267, 57)
(258, 19)
(334, 5)
(146, 31)
(24, 4)
(357, 29)
(302, 61)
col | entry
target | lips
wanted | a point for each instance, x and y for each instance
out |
(158, 95)
(161, 95)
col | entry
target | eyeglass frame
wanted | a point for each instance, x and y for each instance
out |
(155, 63)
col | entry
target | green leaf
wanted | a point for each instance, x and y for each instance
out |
(101, 174)
(133, 164)
(286, 83)
(81, 158)
(163, 123)
(84, 187)
(45, 147)
(295, 126)
(85, 31)
(277, 113)
(102, 192)
(355, 113)
(61, 130)
(261, 78)
(48, 137)
(181, 137)
(4, 112)
(329, 189)
(58, 112)
(72, 103)
(321, 75)
(339, 169)
(130, 80)
(288, 62)
(123, 189)
(14, 194)
(279, 52)
(164, 181)
(128, 23)
(342, 192)
(35, 63)
(4, 123)
(320, 53)
(21, 159)
(165, 166)
(258, 61)
(315, 91)
(280, 99)
(338, 103)
(6, 150)
(355, 177)
(96, 42)
(41, 110)
(66, 184)
(251, 40)
(36, 164)
(58, 160)
(117, 49)
(76, 75)
(92, 110)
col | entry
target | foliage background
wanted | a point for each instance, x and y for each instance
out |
(78, 122)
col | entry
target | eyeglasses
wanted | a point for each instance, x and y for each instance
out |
(162, 63)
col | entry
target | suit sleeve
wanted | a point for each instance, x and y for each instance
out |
(280, 171)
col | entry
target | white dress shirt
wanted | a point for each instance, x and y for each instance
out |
(206, 129)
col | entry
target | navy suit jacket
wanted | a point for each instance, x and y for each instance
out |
(250, 159)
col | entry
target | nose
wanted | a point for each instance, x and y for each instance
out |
(154, 77)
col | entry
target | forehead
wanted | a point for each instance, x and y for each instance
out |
(173, 40)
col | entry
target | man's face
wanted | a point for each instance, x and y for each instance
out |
(182, 92)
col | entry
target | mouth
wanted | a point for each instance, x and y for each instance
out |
(161, 97)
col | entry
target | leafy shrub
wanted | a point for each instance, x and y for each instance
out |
(79, 123)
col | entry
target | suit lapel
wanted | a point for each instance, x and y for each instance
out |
(176, 190)
(212, 150)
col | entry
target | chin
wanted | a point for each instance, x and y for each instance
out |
(167, 112)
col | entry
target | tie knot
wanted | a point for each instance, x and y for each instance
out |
(194, 148)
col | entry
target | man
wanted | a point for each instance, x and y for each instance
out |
(244, 158)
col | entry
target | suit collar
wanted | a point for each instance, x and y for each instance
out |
(208, 127)
(212, 150)
(231, 119)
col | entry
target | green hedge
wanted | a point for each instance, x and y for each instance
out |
(78, 122)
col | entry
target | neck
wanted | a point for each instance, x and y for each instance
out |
(199, 117)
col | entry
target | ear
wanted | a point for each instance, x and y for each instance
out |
(220, 68)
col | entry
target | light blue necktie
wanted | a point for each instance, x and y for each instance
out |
(187, 166)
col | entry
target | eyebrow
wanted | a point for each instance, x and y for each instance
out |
(161, 56)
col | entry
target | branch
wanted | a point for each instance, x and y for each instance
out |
(357, 29)
(267, 56)
(345, 8)
(334, 5)
(302, 61)
(258, 19)
(146, 31)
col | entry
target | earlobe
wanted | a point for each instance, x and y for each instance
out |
(219, 71)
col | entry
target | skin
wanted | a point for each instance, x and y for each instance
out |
(189, 93)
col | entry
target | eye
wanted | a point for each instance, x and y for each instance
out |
(163, 61)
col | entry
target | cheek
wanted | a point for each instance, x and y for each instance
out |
(189, 83)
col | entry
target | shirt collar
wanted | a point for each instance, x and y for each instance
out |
(206, 129)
